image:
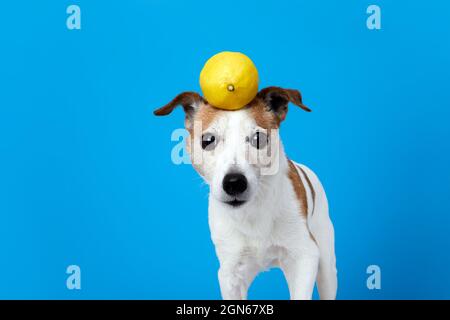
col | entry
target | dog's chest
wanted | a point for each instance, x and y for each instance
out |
(266, 255)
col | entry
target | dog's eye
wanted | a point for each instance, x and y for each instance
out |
(209, 141)
(259, 140)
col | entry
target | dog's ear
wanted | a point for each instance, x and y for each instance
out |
(190, 101)
(277, 100)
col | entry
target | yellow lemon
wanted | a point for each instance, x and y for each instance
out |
(229, 80)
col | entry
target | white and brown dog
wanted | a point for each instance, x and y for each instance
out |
(264, 209)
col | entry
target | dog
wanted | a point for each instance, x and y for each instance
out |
(262, 213)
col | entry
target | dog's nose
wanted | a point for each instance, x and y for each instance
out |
(234, 183)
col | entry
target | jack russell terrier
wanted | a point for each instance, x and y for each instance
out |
(262, 213)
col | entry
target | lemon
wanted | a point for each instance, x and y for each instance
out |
(229, 80)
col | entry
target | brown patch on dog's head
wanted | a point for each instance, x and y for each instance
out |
(196, 108)
(262, 114)
(276, 100)
(269, 107)
(206, 114)
(190, 101)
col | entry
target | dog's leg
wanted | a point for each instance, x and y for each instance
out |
(235, 277)
(326, 279)
(301, 275)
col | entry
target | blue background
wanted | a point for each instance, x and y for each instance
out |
(86, 176)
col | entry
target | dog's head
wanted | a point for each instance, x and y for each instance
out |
(234, 150)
